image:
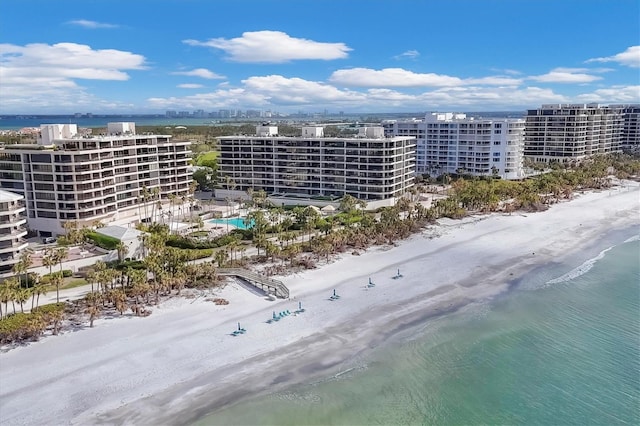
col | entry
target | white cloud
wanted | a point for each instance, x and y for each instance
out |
(281, 90)
(189, 86)
(202, 73)
(282, 93)
(398, 77)
(629, 58)
(69, 60)
(85, 23)
(409, 54)
(273, 47)
(496, 80)
(614, 94)
(390, 77)
(223, 98)
(36, 75)
(566, 75)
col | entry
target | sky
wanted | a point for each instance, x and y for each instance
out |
(288, 56)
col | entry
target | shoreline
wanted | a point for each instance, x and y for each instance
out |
(180, 363)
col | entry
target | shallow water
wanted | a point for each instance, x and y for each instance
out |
(562, 348)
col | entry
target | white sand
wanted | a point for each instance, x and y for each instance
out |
(177, 364)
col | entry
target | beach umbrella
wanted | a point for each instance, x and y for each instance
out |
(299, 305)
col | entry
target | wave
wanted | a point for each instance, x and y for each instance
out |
(582, 269)
(631, 239)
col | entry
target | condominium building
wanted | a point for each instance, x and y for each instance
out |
(454, 143)
(113, 178)
(12, 230)
(369, 167)
(567, 132)
(630, 140)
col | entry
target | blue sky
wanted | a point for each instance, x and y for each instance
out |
(113, 56)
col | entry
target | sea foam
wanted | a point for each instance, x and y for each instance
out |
(582, 269)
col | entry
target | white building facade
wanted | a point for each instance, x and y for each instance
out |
(117, 177)
(456, 144)
(373, 169)
(12, 231)
(630, 140)
(569, 132)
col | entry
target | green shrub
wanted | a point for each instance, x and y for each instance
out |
(20, 326)
(127, 263)
(66, 273)
(193, 254)
(103, 241)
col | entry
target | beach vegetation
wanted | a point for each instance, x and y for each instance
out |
(283, 239)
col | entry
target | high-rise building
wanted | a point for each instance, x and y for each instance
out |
(12, 231)
(630, 140)
(454, 143)
(370, 167)
(567, 132)
(69, 176)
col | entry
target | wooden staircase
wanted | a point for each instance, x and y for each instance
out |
(266, 284)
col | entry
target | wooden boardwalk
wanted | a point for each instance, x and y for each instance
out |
(266, 284)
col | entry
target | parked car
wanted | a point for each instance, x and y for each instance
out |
(49, 240)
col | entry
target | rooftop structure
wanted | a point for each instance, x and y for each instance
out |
(454, 143)
(115, 177)
(370, 167)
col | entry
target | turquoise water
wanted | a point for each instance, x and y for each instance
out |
(561, 348)
(238, 222)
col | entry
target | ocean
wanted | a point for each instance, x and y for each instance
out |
(562, 347)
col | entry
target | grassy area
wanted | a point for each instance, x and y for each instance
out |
(199, 234)
(206, 158)
(68, 283)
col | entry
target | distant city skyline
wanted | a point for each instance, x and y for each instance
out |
(291, 56)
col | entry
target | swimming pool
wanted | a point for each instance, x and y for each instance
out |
(238, 222)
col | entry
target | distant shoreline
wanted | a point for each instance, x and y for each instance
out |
(19, 121)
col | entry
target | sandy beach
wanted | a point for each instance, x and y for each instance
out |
(181, 362)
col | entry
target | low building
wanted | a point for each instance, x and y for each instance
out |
(130, 237)
(370, 167)
(12, 231)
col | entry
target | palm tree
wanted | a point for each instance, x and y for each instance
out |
(122, 249)
(93, 306)
(49, 258)
(22, 295)
(5, 296)
(221, 257)
(39, 289)
(61, 255)
(57, 280)
(22, 266)
(12, 286)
